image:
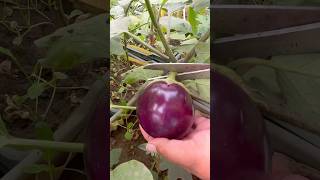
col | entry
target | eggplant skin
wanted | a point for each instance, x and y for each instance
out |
(96, 147)
(240, 150)
(165, 110)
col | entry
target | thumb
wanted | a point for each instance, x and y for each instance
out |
(176, 151)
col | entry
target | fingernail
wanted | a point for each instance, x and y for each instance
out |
(151, 148)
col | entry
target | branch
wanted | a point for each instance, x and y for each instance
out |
(157, 26)
(166, 58)
(193, 50)
(44, 144)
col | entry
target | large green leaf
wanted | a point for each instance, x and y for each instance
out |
(139, 73)
(174, 171)
(199, 87)
(192, 18)
(296, 92)
(203, 52)
(122, 24)
(76, 43)
(115, 46)
(200, 4)
(175, 23)
(133, 170)
(115, 156)
(117, 11)
(204, 24)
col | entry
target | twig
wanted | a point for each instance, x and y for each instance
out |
(166, 58)
(50, 103)
(44, 144)
(157, 26)
(38, 82)
(193, 50)
(71, 88)
(129, 5)
(123, 107)
(75, 170)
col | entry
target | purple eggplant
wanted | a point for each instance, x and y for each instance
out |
(165, 110)
(97, 146)
(240, 148)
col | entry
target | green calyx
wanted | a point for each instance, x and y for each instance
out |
(171, 79)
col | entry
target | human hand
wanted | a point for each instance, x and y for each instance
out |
(192, 152)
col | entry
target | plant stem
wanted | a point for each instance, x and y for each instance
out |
(193, 50)
(123, 107)
(45, 145)
(157, 26)
(50, 103)
(166, 58)
(172, 76)
(129, 5)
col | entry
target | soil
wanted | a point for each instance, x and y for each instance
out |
(21, 119)
(15, 83)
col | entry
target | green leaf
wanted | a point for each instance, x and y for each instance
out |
(3, 128)
(121, 89)
(75, 44)
(36, 168)
(116, 47)
(133, 170)
(35, 90)
(203, 52)
(174, 23)
(192, 18)
(139, 73)
(122, 24)
(7, 52)
(19, 100)
(178, 36)
(295, 92)
(128, 135)
(174, 171)
(117, 12)
(199, 87)
(204, 24)
(115, 156)
(130, 125)
(198, 5)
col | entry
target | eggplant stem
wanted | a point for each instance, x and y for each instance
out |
(172, 76)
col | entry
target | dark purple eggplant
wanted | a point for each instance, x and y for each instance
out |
(97, 146)
(165, 109)
(240, 148)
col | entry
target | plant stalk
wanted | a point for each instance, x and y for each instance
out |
(44, 145)
(172, 76)
(122, 107)
(157, 26)
(166, 58)
(193, 50)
